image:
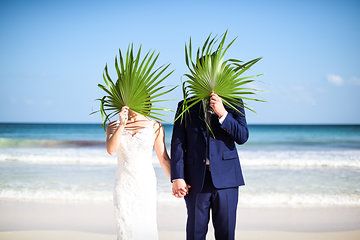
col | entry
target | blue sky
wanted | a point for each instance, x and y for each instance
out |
(53, 53)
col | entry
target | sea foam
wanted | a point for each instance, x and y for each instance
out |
(256, 159)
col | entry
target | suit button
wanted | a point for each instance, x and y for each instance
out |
(204, 161)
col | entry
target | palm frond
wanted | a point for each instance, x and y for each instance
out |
(210, 72)
(138, 85)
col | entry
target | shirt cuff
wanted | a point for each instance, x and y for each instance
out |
(221, 120)
(176, 179)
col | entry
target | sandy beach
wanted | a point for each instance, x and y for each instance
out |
(27, 220)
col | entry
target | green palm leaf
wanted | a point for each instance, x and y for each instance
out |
(138, 85)
(210, 72)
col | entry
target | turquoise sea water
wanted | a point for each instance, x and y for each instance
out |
(296, 165)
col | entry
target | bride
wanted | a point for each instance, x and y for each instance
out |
(132, 138)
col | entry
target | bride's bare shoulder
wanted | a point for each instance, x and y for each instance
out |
(156, 124)
(157, 127)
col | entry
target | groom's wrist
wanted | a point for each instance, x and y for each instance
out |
(222, 118)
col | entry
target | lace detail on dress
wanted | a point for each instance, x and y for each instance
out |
(135, 186)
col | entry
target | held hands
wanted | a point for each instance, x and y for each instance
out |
(217, 105)
(180, 188)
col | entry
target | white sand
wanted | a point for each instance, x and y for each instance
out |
(246, 235)
(21, 220)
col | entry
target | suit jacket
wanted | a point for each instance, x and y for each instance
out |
(191, 144)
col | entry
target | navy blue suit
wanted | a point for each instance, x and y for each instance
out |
(214, 187)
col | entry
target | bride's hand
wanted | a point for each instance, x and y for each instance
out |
(123, 115)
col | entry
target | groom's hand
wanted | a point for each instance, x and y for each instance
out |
(217, 105)
(180, 188)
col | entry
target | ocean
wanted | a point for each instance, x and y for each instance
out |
(283, 165)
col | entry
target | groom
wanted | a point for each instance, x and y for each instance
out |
(205, 167)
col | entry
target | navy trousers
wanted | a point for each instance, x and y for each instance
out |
(223, 204)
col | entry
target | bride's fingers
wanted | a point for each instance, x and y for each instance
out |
(177, 195)
(175, 192)
(183, 193)
(180, 193)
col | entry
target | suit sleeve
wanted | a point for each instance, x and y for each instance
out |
(235, 125)
(178, 147)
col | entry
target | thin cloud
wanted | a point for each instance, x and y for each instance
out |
(335, 79)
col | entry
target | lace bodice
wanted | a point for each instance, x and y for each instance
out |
(135, 149)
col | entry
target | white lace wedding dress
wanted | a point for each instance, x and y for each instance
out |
(135, 187)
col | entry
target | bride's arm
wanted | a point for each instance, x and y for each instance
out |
(114, 130)
(160, 148)
(113, 133)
